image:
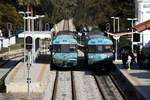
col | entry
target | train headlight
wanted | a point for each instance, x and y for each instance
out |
(91, 57)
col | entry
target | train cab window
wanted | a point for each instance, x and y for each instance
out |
(56, 48)
(108, 48)
(99, 48)
(92, 49)
(64, 48)
(72, 48)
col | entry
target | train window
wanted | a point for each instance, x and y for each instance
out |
(56, 48)
(64, 48)
(92, 49)
(107, 48)
(72, 48)
(99, 49)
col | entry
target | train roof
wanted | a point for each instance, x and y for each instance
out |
(100, 41)
(95, 34)
(98, 38)
(66, 34)
(64, 41)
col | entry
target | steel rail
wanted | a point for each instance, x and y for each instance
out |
(107, 88)
(73, 87)
(55, 87)
(118, 87)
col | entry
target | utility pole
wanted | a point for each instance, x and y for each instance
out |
(40, 21)
(113, 24)
(132, 22)
(116, 37)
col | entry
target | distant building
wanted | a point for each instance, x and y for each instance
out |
(142, 12)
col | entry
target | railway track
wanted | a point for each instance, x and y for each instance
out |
(63, 89)
(107, 88)
(8, 64)
(5, 67)
(127, 90)
(84, 85)
(78, 85)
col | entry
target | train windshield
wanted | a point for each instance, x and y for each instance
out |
(64, 48)
(100, 48)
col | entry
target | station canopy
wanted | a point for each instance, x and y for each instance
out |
(143, 26)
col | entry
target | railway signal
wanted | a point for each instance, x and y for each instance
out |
(28, 43)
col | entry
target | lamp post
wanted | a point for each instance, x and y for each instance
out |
(24, 15)
(116, 37)
(40, 21)
(132, 22)
(118, 23)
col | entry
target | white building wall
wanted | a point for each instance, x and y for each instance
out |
(143, 7)
(13, 40)
(5, 43)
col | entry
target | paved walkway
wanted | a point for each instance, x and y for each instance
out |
(138, 77)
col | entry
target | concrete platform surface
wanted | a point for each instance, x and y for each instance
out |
(16, 81)
(138, 78)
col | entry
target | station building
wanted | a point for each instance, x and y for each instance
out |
(142, 13)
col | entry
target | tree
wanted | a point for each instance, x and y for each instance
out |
(63, 9)
(30, 4)
(92, 12)
(9, 14)
(88, 12)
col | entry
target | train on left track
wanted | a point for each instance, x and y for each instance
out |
(64, 49)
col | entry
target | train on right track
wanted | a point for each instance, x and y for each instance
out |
(98, 50)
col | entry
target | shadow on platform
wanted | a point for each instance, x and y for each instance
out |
(44, 59)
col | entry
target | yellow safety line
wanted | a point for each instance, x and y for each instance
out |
(42, 72)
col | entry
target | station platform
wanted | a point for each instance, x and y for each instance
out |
(139, 78)
(16, 80)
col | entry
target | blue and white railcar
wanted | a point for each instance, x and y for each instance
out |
(64, 52)
(99, 49)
